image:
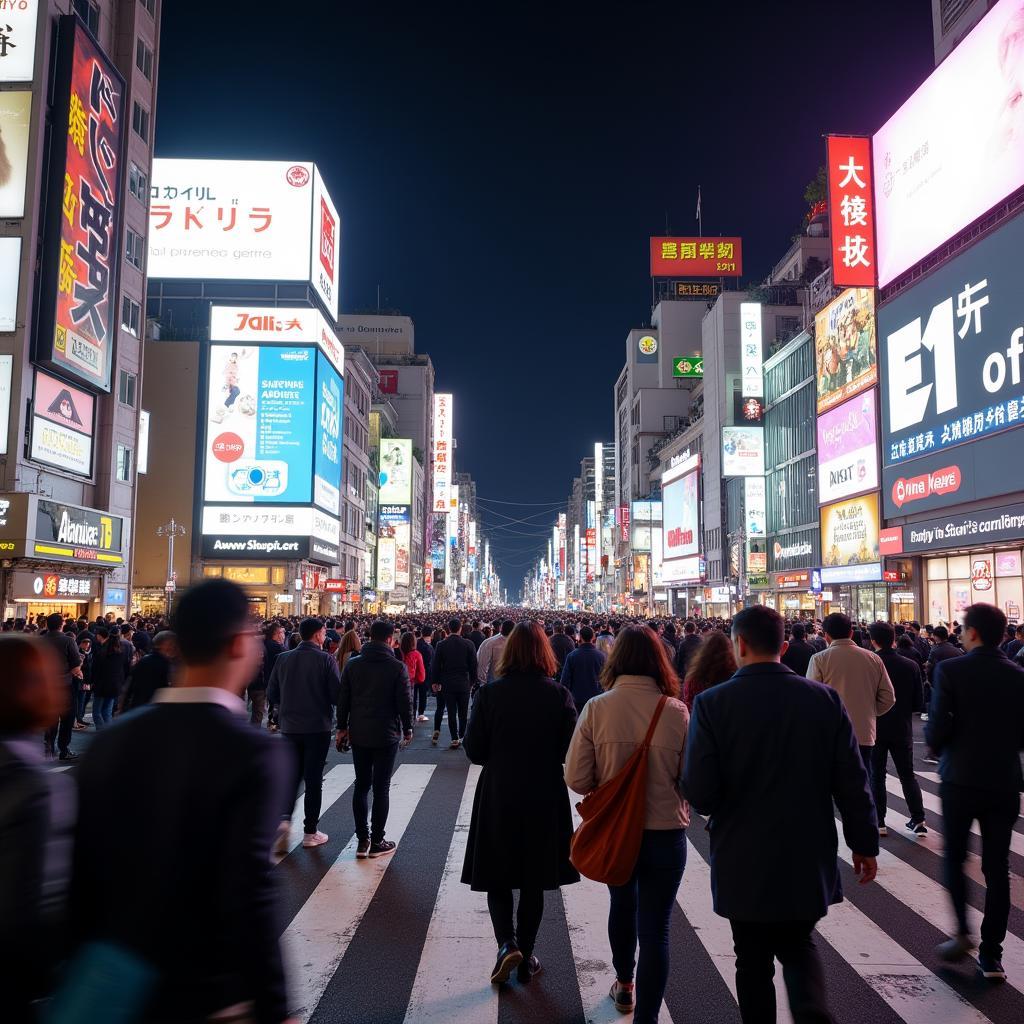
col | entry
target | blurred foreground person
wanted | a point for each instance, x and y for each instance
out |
(36, 818)
(637, 676)
(186, 922)
(521, 826)
(767, 754)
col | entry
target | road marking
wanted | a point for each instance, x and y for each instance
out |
(930, 776)
(319, 935)
(336, 781)
(452, 980)
(62, 768)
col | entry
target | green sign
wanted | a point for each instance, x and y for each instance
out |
(688, 366)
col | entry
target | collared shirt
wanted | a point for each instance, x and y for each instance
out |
(200, 695)
(488, 657)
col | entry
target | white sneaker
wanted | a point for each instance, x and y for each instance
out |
(422, 718)
(283, 840)
(316, 839)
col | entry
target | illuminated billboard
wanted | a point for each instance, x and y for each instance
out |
(850, 550)
(851, 209)
(18, 48)
(277, 325)
(15, 122)
(63, 421)
(396, 523)
(848, 449)
(244, 220)
(443, 452)
(10, 280)
(386, 564)
(395, 471)
(956, 147)
(751, 351)
(330, 390)
(696, 257)
(742, 451)
(846, 347)
(680, 508)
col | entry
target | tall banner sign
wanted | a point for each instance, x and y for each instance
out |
(851, 209)
(442, 451)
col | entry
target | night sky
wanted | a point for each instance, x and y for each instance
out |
(499, 169)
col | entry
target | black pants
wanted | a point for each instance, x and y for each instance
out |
(457, 702)
(902, 753)
(996, 814)
(60, 731)
(757, 944)
(374, 767)
(527, 923)
(866, 757)
(419, 695)
(438, 710)
(310, 755)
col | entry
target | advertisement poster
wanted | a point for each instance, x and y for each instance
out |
(396, 524)
(62, 425)
(15, 115)
(395, 471)
(849, 541)
(327, 437)
(751, 350)
(277, 325)
(955, 148)
(18, 49)
(6, 373)
(848, 449)
(742, 451)
(680, 512)
(846, 347)
(10, 279)
(755, 502)
(443, 411)
(385, 564)
(259, 424)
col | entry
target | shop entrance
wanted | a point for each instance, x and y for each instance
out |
(257, 606)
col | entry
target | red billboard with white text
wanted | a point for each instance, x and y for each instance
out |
(851, 211)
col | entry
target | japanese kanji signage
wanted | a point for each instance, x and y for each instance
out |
(49, 587)
(82, 254)
(688, 366)
(443, 453)
(696, 257)
(851, 208)
(696, 289)
(18, 19)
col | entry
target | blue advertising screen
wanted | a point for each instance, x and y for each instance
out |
(330, 391)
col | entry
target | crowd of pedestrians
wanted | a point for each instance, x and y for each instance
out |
(212, 726)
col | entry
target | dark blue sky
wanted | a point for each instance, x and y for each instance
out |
(500, 167)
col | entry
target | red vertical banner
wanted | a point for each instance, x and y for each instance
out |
(851, 210)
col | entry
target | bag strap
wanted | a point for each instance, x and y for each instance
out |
(654, 721)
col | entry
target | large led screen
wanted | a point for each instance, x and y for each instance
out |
(846, 347)
(395, 471)
(327, 456)
(680, 503)
(850, 550)
(848, 449)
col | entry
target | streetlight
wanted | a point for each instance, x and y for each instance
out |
(170, 531)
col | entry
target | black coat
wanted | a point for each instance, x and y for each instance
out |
(150, 675)
(798, 656)
(684, 652)
(563, 646)
(941, 652)
(905, 675)
(454, 664)
(519, 835)
(110, 667)
(375, 698)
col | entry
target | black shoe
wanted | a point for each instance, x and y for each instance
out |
(381, 849)
(509, 958)
(528, 969)
(68, 755)
(919, 828)
(622, 996)
(991, 967)
(363, 849)
(953, 950)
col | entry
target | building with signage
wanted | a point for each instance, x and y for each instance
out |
(77, 99)
(357, 513)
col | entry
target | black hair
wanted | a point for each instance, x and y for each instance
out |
(882, 633)
(207, 618)
(381, 632)
(988, 620)
(308, 628)
(838, 626)
(761, 629)
(454, 627)
(798, 631)
(54, 622)
(586, 634)
(941, 634)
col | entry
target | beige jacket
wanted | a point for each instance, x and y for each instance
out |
(609, 730)
(860, 679)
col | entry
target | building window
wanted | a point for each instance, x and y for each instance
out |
(951, 12)
(138, 185)
(89, 12)
(126, 387)
(150, 5)
(131, 315)
(133, 248)
(124, 464)
(144, 59)
(140, 121)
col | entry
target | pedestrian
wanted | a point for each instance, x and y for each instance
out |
(273, 645)
(637, 675)
(769, 758)
(941, 650)
(476, 634)
(976, 727)
(185, 935)
(521, 825)
(686, 649)
(895, 731)
(581, 674)
(304, 683)
(110, 666)
(435, 688)
(349, 646)
(84, 688)
(713, 663)
(375, 717)
(152, 673)
(798, 653)
(561, 644)
(417, 674)
(36, 820)
(490, 651)
(57, 739)
(858, 676)
(455, 670)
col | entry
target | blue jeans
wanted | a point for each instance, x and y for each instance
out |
(642, 910)
(102, 710)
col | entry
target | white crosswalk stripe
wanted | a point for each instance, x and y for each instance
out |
(336, 781)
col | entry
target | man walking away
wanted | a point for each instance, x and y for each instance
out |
(798, 653)
(561, 644)
(976, 726)
(305, 683)
(375, 716)
(490, 652)
(768, 753)
(686, 649)
(201, 919)
(942, 650)
(894, 731)
(476, 634)
(858, 676)
(69, 660)
(454, 670)
(152, 673)
(581, 675)
(427, 654)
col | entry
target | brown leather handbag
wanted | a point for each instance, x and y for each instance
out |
(607, 843)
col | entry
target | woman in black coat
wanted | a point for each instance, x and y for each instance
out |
(522, 824)
(110, 665)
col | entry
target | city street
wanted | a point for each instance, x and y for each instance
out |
(400, 939)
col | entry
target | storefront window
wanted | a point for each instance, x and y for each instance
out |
(277, 574)
(957, 581)
(247, 573)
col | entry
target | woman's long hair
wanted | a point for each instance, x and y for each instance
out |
(407, 644)
(350, 644)
(713, 662)
(528, 652)
(638, 652)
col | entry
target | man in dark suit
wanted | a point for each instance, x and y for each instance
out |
(799, 652)
(686, 649)
(976, 727)
(768, 753)
(200, 915)
(581, 674)
(454, 670)
(561, 644)
(895, 733)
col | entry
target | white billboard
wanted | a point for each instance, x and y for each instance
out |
(277, 325)
(754, 498)
(680, 507)
(243, 220)
(15, 123)
(18, 40)
(751, 351)
(742, 451)
(395, 471)
(386, 564)
(6, 373)
(10, 278)
(302, 521)
(443, 453)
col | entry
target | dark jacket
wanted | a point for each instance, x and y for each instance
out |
(375, 698)
(304, 685)
(150, 675)
(477, 638)
(768, 753)
(905, 675)
(68, 655)
(426, 653)
(684, 652)
(272, 650)
(798, 656)
(110, 667)
(976, 720)
(939, 653)
(562, 646)
(522, 824)
(581, 674)
(454, 664)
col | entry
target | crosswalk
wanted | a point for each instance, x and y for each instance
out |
(401, 941)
